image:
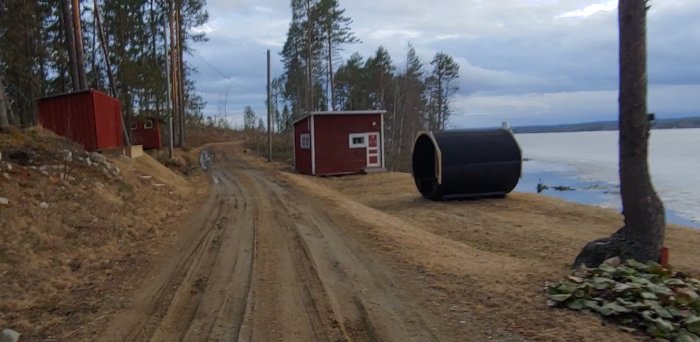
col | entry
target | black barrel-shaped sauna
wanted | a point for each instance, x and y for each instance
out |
(467, 163)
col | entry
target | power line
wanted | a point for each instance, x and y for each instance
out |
(220, 72)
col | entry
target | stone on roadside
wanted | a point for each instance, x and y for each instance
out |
(44, 205)
(106, 172)
(4, 201)
(69, 178)
(614, 261)
(98, 158)
(9, 335)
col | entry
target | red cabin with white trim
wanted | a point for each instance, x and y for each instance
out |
(339, 143)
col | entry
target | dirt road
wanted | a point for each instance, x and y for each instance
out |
(264, 262)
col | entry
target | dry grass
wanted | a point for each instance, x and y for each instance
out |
(491, 258)
(64, 266)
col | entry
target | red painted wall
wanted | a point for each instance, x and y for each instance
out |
(333, 153)
(302, 157)
(90, 118)
(150, 138)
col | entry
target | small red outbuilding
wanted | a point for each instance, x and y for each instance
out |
(146, 132)
(90, 118)
(338, 143)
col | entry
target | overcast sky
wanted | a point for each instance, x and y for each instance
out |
(525, 61)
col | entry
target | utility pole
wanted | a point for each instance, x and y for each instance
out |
(180, 72)
(170, 99)
(269, 110)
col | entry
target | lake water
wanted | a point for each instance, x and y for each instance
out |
(588, 162)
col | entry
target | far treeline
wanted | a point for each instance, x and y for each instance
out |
(128, 48)
(691, 122)
(416, 95)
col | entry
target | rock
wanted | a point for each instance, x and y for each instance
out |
(88, 161)
(116, 169)
(68, 157)
(64, 176)
(614, 261)
(9, 167)
(98, 158)
(9, 335)
(44, 205)
(20, 157)
(105, 172)
(4, 201)
(43, 168)
(6, 175)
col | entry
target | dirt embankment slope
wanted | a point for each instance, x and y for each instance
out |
(491, 258)
(75, 235)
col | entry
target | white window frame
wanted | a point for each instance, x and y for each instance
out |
(352, 136)
(305, 141)
(148, 124)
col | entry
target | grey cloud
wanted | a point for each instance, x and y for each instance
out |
(517, 57)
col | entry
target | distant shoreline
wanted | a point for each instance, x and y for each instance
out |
(675, 123)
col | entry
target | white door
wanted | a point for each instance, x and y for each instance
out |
(373, 150)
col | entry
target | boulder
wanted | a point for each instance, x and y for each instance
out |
(4, 201)
(20, 157)
(98, 158)
(44, 205)
(9, 335)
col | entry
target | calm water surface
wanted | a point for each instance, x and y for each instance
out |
(587, 161)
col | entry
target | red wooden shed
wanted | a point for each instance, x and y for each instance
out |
(146, 132)
(90, 118)
(338, 143)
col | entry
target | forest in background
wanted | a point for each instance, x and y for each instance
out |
(131, 49)
(134, 50)
(416, 94)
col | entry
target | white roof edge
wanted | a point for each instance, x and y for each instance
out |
(340, 112)
(349, 112)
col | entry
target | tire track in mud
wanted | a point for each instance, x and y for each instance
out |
(203, 295)
(264, 263)
(364, 297)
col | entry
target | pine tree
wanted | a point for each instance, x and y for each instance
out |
(248, 118)
(336, 32)
(350, 84)
(642, 236)
(442, 84)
